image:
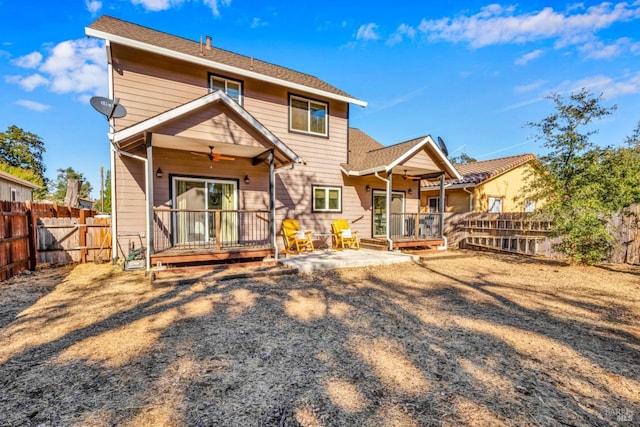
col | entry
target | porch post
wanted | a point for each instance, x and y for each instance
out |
(441, 204)
(388, 209)
(272, 204)
(149, 190)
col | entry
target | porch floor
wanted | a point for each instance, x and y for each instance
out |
(181, 256)
(328, 259)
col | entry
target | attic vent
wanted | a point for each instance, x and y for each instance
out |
(208, 43)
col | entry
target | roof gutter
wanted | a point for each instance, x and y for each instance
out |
(209, 63)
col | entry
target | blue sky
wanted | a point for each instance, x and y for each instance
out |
(472, 72)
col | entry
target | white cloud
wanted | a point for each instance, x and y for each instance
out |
(93, 6)
(599, 50)
(31, 60)
(495, 24)
(158, 5)
(368, 32)
(214, 5)
(403, 31)
(257, 22)
(77, 66)
(524, 59)
(529, 87)
(28, 83)
(628, 84)
(33, 105)
(73, 66)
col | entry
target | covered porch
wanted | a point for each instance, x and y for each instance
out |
(207, 199)
(398, 220)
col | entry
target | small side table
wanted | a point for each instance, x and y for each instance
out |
(324, 240)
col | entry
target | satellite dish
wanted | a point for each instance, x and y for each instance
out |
(443, 147)
(109, 107)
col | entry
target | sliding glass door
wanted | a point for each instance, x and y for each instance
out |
(198, 199)
(380, 212)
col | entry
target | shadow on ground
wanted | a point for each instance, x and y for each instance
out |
(480, 340)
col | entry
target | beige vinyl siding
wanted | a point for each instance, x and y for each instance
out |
(214, 123)
(130, 200)
(420, 160)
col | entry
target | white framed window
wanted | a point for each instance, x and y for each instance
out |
(233, 88)
(14, 195)
(308, 116)
(327, 199)
(495, 204)
(529, 205)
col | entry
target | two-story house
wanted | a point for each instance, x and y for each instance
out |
(217, 148)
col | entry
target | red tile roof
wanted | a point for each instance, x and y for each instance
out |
(478, 172)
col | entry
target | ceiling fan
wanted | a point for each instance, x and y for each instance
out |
(214, 157)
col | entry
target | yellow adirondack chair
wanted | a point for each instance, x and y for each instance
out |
(295, 239)
(343, 235)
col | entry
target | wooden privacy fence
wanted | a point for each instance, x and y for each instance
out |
(521, 233)
(32, 233)
(17, 239)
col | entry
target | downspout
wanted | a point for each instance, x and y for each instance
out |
(387, 207)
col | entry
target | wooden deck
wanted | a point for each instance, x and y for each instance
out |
(403, 243)
(185, 256)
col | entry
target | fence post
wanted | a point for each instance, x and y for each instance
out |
(32, 233)
(83, 236)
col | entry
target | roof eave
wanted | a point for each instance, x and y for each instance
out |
(363, 172)
(208, 63)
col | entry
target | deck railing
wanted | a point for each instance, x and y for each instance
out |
(210, 229)
(415, 226)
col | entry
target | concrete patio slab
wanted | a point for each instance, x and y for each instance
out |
(327, 259)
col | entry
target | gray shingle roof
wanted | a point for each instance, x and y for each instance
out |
(367, 153)
(117, 27)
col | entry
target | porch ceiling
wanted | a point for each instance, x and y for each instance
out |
(407, 171)
(201, 145)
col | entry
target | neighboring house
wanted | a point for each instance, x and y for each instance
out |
(488, 186)
(16, 189)
(217, 149)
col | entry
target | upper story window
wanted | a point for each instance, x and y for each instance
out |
(233, 88)
(309, 116)
(14, 195)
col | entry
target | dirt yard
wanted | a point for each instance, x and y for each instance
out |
(458, 339)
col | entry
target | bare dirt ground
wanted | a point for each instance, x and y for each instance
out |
(460, 339)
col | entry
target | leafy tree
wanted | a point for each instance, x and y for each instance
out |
(571, 181)
(462, 159)
(21, 155)
(59, 189)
